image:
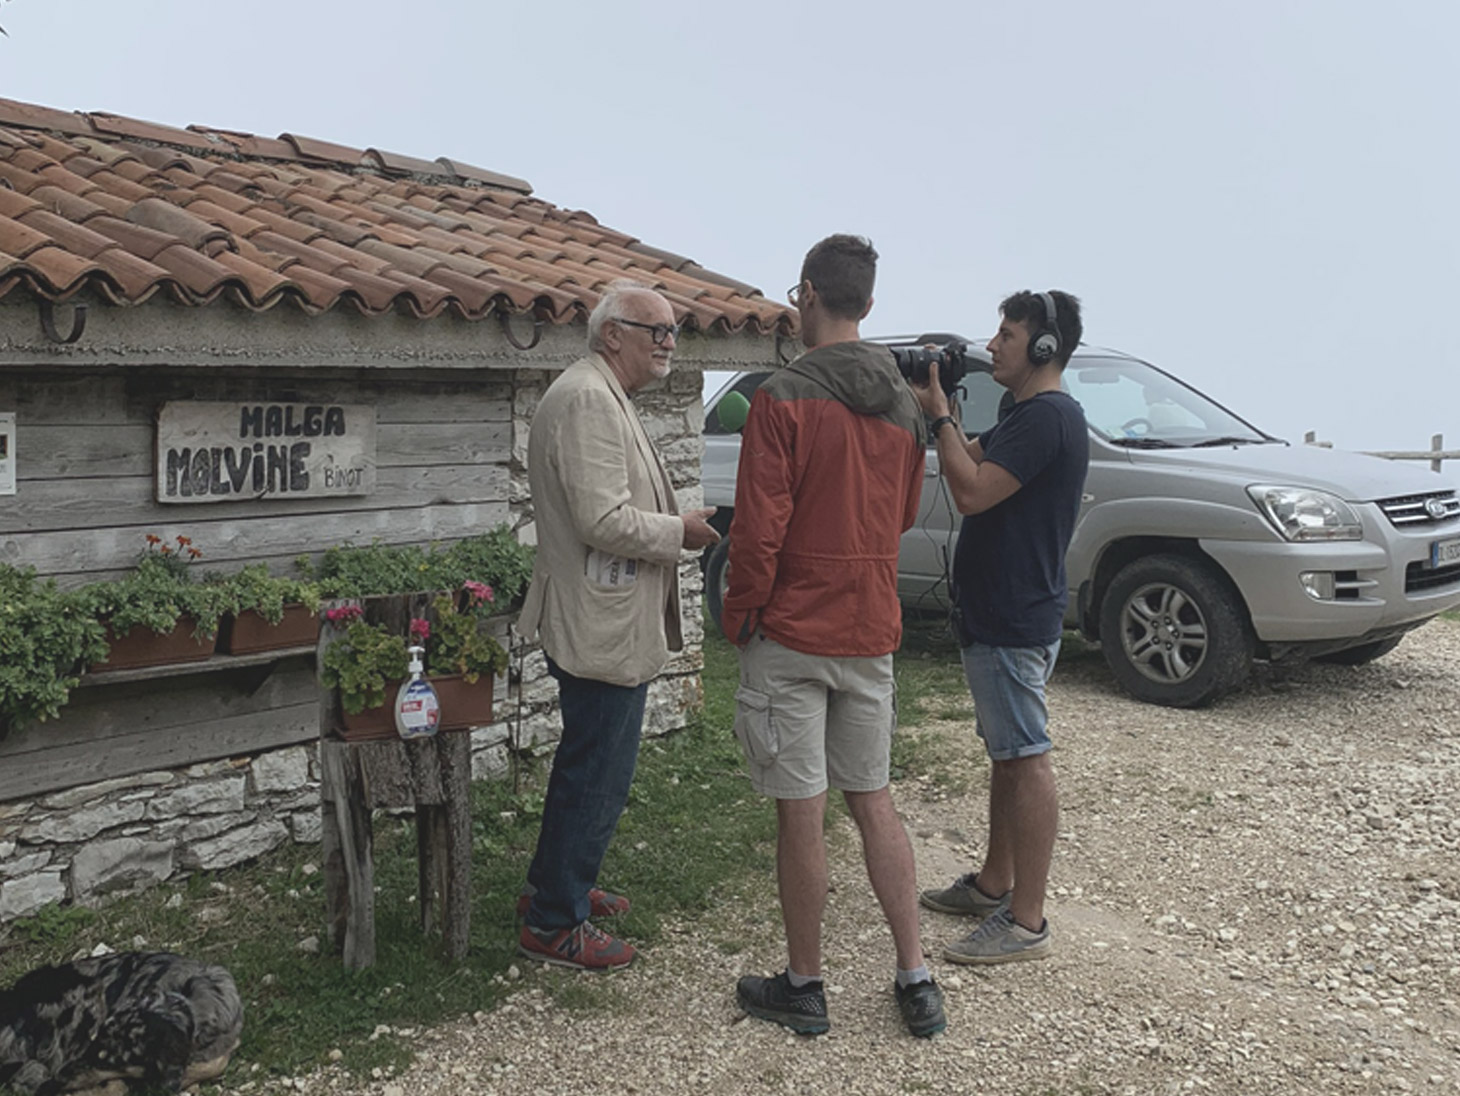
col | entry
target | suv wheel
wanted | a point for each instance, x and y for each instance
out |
(1174, 632)
(717, 577)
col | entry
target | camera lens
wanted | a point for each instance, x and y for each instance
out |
(913, 363)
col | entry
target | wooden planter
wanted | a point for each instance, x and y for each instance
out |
(462, 706)
(143, 647)
(250, 632)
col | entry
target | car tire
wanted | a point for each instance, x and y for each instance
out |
(1361, 655)
(717, 577)
(1174, 632)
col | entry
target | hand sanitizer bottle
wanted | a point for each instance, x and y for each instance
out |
(417, 708)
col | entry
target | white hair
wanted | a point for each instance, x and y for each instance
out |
(609, 307)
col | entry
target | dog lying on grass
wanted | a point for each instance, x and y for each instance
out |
(155, 1018)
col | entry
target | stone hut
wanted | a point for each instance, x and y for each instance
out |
(151, 276)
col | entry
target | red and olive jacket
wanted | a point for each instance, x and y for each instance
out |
(831, 468)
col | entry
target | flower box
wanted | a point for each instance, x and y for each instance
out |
(463, 706)
(249, 631)
(141, 646)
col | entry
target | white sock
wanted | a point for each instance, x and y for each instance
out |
(800, 981)
(907, 978)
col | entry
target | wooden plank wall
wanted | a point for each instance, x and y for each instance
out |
(85, 503)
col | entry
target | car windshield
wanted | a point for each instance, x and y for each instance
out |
(1132, 404)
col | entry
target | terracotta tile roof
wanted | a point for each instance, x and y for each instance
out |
(127, 209)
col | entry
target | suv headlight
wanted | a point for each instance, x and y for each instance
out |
(1302, 514)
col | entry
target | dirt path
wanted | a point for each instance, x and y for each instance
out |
(1260, 898)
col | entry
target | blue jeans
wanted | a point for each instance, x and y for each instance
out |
(592, 770)
(1007, 684)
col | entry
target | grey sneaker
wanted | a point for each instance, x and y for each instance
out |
(963, 897)
(1000, 939)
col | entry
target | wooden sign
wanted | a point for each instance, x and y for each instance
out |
(224, 452)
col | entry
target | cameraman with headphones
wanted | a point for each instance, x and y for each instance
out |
(1018, 486)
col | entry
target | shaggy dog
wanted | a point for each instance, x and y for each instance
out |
(151, 1017)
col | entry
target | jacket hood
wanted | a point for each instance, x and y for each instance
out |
(861, 375)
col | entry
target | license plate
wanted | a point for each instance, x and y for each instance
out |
(1445, 552)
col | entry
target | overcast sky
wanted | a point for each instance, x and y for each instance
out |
(1260, 196)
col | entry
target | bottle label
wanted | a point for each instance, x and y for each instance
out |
(417, 710)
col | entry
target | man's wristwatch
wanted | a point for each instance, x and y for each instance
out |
(939, 422)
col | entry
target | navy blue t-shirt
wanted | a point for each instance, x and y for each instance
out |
(1009, 569)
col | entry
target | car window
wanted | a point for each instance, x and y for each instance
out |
(1127, 400)
(979, 402)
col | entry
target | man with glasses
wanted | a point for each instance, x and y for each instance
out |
(604, 601)
(831, 468)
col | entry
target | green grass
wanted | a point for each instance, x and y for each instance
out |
(694, 835)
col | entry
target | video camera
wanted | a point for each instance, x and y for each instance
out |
(952, 359)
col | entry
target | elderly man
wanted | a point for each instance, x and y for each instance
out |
(604, 601)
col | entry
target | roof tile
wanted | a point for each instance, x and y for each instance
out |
(309, 148)
(30, 116)
(139, 240)
(260, 281)
(60, 268)
(320, 289)
(148, 131)
(114, 184)
(18, 240)
(13, 204)
(75, 238)
(197, 273)
(175, 221)
(130, 209)
(65, 204)
(137, 278)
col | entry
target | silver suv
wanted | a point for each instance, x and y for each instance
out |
(1202, 542)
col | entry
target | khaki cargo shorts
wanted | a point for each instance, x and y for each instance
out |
(806, 722)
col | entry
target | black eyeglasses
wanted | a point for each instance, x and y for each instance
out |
(794, 293)
(657, 331)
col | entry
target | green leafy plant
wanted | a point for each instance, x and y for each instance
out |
(457, 642)
(160, 591)
(47, 637)
(363, 662)
(255, 589)
(368, 659)
(494, 558)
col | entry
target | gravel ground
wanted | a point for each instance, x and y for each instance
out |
(1258, 898)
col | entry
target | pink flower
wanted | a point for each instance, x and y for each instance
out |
(343, 614)
(421, 630)
(478, 592)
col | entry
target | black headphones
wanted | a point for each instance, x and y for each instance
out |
(1044, 344)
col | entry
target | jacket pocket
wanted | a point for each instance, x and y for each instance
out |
(755, 725)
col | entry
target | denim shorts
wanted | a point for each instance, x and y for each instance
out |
(809, 721)
(1007, 684)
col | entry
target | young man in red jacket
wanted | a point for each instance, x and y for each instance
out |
(831, 467)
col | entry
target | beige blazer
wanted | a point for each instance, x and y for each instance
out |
(604, 597)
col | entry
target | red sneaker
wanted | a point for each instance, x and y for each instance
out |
(601, 903)
(583, 947)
